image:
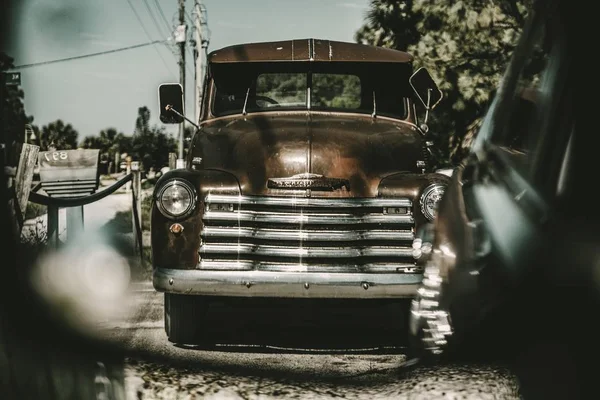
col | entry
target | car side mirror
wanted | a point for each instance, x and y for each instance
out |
(426, 90)
(170, 99)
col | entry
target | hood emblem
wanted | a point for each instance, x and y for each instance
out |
(308, 181)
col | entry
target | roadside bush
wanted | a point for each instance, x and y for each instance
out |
(34, 210)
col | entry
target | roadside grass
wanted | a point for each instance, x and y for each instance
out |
(120, 230)
(34, 210)
(33, 243)
(121, 223)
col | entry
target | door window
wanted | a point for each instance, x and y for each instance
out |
(520, 133)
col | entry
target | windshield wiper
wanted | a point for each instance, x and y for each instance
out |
(374, 106)
(246, 101)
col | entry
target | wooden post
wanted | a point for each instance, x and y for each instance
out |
(172, 160)
(20, 184)
(16, 220)
(52, 227)
(136, 211)
(128, 184)
(27, 161)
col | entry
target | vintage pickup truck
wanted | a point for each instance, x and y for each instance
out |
(307, 177)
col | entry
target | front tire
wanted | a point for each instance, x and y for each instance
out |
(184, 315)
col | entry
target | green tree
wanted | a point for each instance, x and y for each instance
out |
(13, 110)
(464, 44)
(335, 90)
(390, 23)
(110, 142)
(142, 122)
(151, 145)
(56, 135)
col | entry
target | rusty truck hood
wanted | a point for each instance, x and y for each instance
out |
(330, 154)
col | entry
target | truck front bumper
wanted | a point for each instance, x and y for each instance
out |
(286, 284)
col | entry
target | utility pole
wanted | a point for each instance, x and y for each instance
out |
(200, 52)
(181, 38)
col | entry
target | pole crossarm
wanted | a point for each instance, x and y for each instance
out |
(78, 201)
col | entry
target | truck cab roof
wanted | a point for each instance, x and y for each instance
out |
(307, 50)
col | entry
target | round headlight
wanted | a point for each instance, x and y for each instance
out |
(430, 199)
(176, 199)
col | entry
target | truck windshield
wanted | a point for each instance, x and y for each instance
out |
(342, 87)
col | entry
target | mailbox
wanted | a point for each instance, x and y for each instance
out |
(69, 173)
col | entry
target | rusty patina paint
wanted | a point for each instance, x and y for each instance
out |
(376, 155)
(358, 148)
(171, 250)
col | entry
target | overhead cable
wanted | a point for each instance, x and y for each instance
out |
(162, 14)
(88, 55)
(149, 37)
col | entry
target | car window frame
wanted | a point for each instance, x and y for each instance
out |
(546, 160)
(366, 80)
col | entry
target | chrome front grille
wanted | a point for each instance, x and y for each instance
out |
(306, 234)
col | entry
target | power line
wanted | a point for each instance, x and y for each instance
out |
(158, 28)
(139, 19)
(162, 14)
(148, 35)
(89, 55)
(190, 20)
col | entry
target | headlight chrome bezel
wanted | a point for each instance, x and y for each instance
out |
(189, 209)
(434, 189)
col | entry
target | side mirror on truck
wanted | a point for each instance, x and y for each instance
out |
(425, 88)
(427, 91)
(170, 100)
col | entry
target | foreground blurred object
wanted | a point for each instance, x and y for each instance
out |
(39, 358)
(307, 177)
(84, 283)
(47, 349)
(511, 262)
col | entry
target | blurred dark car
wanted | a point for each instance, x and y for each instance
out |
(512, 259)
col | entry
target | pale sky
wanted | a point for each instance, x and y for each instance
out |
(105, 91)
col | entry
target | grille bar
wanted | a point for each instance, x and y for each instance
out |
(287, 234)
(210, 232)
(333, 203)
(266, 217)
(305, 252)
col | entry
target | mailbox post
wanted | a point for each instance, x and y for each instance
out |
(128, 171)
(74, 221)
(68, 174)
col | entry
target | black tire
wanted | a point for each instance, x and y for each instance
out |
(183, 317)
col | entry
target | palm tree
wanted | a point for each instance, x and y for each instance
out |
(58, 135)
(111, 144)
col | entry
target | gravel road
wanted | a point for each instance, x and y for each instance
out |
(273, 348)
(258, 349)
